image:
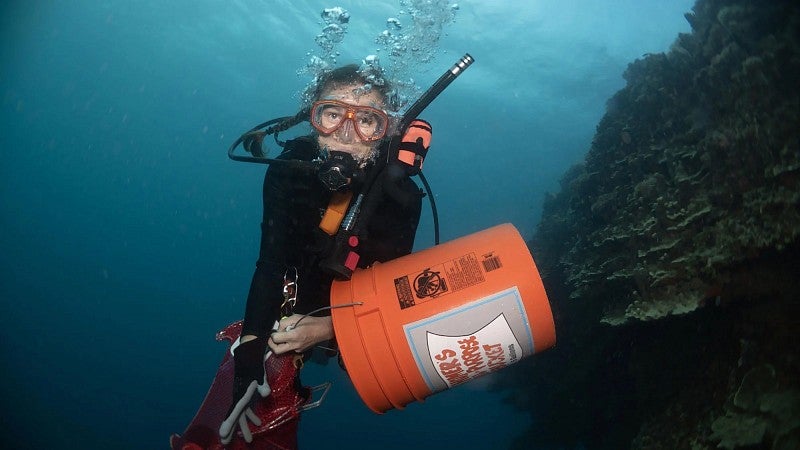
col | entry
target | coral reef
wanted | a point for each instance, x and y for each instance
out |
(694, 168)
(670, 254)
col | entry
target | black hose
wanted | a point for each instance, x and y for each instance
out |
(275, 127)
(433, 208)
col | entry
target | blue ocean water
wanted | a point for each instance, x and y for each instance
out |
(127, 238)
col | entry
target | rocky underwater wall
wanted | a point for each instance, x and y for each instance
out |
(672, 254)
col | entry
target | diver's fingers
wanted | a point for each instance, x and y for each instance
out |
(289, 321)
(280, 347)
(281, 337)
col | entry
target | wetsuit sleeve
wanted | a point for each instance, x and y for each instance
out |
(277, 238)
(394, 227)
(404, 228)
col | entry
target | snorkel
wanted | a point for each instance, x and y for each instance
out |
(436, 88)
(400, 165)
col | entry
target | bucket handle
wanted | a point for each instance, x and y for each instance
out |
(324, 387)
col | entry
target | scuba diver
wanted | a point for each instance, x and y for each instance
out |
(306, 244)
(335, 201)
(349, 118)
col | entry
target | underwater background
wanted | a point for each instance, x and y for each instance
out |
(128, 238)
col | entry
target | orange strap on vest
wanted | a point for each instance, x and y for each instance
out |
(337, 208)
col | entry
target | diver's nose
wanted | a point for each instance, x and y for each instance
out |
(346, 133)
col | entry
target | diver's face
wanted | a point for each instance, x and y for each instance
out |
(345, 139)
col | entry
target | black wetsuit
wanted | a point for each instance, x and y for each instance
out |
(294, 202)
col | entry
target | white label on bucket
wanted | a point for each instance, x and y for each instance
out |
(459, 358)
(472, 340)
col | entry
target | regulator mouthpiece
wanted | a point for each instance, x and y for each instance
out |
(339, 171)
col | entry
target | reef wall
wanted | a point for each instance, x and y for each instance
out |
(671, 255)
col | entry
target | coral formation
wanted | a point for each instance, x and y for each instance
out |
(694, 168)
(759, 408)
(670, 253)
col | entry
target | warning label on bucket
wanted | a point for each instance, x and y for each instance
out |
(404, 295)
(438, 280)
(472, 340)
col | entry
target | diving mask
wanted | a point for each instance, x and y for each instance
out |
(370, 124)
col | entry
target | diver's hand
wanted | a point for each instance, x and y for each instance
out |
(416, 142)
(292, 336)
(249, 378)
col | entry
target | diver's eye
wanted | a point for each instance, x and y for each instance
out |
(331, 116)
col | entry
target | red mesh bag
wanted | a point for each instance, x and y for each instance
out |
(279, 412)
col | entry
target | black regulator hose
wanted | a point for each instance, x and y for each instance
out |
(252, 142)
(434, 212)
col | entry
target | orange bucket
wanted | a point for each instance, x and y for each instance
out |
(440, 317)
